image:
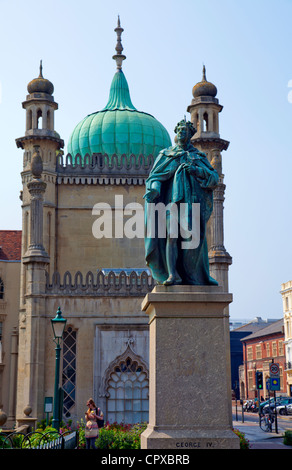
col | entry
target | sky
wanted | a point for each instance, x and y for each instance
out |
(246, 47)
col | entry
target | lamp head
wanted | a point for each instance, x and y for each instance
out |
(58, 325)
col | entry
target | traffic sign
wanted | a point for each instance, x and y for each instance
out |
(274, 369)
(275, 383)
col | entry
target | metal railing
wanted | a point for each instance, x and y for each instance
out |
(39, 440)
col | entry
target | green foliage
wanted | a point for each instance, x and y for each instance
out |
(288, 438)
(120, 436)
(37, 438)
(81, 433)
(40, 436)
(42, 424)
(14, 441)
(244, 443)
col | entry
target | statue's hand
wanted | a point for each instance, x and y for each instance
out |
(199, 172)
(190, 168)
(194, 170)
(151, 195)
(185, 165)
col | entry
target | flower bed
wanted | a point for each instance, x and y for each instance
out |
(115, 436)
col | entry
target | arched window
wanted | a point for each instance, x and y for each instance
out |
(39, 119)
(205, 117)
(69, 371)
(128, 392)
(1, 289)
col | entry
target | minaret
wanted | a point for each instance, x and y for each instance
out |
(41, 135)
(204, 110)
(40, 144)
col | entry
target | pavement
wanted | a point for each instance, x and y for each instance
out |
(260, 439)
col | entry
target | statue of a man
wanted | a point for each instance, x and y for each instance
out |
(182, 179)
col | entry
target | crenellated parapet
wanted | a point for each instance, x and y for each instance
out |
(103, 283)
(103, 169)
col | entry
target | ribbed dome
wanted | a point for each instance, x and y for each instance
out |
(40, 84)
(119, 128)
(204, 88)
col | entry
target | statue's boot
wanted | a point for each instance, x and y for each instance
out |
(173, 279)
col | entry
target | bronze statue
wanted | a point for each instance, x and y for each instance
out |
(182, 179)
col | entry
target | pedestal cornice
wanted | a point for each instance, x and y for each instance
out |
(157, 303)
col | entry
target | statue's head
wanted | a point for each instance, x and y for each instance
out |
(184, 131)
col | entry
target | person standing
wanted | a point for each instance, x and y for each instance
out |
(91, 426)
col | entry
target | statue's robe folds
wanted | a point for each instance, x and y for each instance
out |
(179, 185)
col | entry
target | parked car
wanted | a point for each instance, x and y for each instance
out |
(284, 409)
(281, 404)
(271, 403)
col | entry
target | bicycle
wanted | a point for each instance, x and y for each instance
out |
(266, 421)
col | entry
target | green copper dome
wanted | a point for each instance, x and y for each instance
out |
(119, 128)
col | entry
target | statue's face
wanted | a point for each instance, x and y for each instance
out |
(182, 133)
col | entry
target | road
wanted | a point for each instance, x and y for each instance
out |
(284, 422)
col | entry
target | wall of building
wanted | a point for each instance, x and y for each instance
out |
(105, 329)
(9, 311)
(258, 353)
(286, 291)
(76, 247)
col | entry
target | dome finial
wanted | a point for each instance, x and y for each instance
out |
(204, 88)
(40, 84)
(41, 69)
(119, 57)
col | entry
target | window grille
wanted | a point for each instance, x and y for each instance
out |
(128, 393)
(69, 371)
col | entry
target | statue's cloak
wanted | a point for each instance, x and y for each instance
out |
(180, 185)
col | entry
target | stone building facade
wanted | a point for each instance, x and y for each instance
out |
(259, 350)
(98, 282)
(10, 260)
(286, 292)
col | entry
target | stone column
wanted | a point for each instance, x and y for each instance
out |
(219, 258)
(190, 378)
(13, 375)
(36, 188)
(31, 366)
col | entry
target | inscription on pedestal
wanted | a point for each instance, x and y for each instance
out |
(195, 445)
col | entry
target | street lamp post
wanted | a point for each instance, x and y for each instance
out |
(58, 325)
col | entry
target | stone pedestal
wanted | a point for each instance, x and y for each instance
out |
(190, 379)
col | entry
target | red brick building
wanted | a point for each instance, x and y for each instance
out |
(259, 350)
(10, 245)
